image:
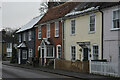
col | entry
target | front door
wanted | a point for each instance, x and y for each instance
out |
(85, 54)
(42, 58)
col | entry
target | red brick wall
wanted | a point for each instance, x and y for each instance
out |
(57, 41)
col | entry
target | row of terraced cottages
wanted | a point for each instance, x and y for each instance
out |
(76, 36)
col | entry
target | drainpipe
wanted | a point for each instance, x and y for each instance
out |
(62, 38)
(102, 37)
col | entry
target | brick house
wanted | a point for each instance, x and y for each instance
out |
(49, 34)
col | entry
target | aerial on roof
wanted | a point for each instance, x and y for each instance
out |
(30, 24)
(58, 11)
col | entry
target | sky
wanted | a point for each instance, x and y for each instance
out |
(17, 14)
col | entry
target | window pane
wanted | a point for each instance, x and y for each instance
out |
(73, 51)
(95, 52)
(92, 23)
(72, 26)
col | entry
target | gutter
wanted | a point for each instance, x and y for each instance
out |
(102, 37)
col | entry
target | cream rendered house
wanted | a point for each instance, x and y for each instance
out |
(83, 34)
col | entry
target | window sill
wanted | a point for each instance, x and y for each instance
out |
(91, 32)
(49, 57)
(24, 58)
(56, 36)
(115, 29)
(72, 35)
(39, 38)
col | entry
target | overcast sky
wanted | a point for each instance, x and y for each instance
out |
(17, 14)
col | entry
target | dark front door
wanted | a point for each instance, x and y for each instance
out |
(85, 54)
(42, 56)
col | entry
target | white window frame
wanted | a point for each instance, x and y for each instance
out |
(30, 35)
(24, 37)
(24, 52)
(92, 23)
(39, 32)
(72, 53)
(71, 26)
(115, 19)
(93, 51)
(48, 51)
(48, 31)
(10, 54)
(56, 29)
(30, 52)
(8, 45)
(58, 52)
(20, 37)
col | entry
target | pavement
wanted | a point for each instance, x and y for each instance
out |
(83, 76)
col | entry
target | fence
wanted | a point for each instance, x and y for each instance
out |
(104, 68)
(76, 66)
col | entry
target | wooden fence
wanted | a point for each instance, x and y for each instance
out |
(104, 68)
(76, 66)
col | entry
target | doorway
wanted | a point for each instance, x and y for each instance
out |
(42, 56)
(85, 54)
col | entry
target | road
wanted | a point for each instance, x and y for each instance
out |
(16, 72)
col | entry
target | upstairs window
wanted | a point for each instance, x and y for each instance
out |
(72, 26)
(19, 37)
(24, 37)
(73, 52)
(30, 35)
(92, 23)
(56, 29)
(48, 30)
(39, 32)
(116, 19)
(95, 52)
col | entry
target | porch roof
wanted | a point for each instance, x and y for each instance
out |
(22, 45)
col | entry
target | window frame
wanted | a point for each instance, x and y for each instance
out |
(57, 51)
(115, 19)
(30, 35)
(20, 38)
(39, 32)
(48, 30)
(30, 53)
(71, 27)
(47, 48)
(57, 29)
(24, 57)
(92, 23)
(24, 36)
(72, 53)
(93, 52)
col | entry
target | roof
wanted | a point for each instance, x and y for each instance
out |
(91, 6)
(30, 24)
(58, 11)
